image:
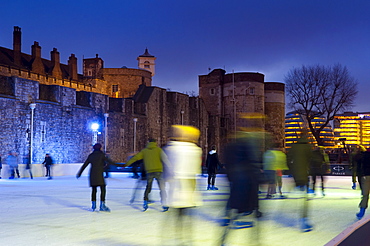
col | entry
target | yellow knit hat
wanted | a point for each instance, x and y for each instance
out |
(185, 133)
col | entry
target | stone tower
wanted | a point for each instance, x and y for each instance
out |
(147, 61)
(275, 111)
(92, 67)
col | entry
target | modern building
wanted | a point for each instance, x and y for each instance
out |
(295, 124)
(353, 128)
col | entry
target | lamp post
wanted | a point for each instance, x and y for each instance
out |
(135, 120)
(94, 128)
(32, 107)
(105, 131)
(182, 117)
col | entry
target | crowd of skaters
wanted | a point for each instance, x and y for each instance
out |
(247, 166)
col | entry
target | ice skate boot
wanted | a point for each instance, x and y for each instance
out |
(104, 208)
(93, 205)
(361, 213)
(145, 206)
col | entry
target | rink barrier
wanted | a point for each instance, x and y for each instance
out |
(356, 234)
(39, 170)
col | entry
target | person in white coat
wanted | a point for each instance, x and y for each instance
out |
(185, 161)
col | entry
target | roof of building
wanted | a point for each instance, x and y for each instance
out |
(7, 59)
(146, 54)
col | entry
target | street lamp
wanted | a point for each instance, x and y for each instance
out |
(106, 132)
(182, 117)
(135, 120)
(94, 128)
(32, 107)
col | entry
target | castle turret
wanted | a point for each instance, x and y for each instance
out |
(17, 43)
(55, 61)
(147, 61)
(92, 67)
(37, 65)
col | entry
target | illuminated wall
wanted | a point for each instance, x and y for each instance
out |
(354, 127)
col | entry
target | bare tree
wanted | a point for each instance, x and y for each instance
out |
(320, 91)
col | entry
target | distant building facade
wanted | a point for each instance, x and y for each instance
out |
(295, 124)
(230, 96)
(67, 103)
(354, 127)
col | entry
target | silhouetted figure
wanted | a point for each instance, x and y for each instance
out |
(212, 164)
(318, 167)
(355, 157)
(97, 159)
(153, 157)
(12, 161)
(28, 168)
(363, 170)
(48, 162)
(299, 158)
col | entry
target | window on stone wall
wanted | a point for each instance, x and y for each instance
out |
(43, 131)
(83, 98)
(47, 93)
(251, 91)
(212, 91)
(146, 66)
(114, 88)
(122, 137)
(6, 86)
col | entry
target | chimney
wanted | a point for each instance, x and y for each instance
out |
(17, 43)
(72, 67)
(37, 65)
(55, 61)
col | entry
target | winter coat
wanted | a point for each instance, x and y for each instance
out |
(299, 158)
(363, 168)
(243, 171)
(212, 162)
(153, 157)
(274, 160)
(98, 160)
(48, 161)
(12, 161)
(184, 164)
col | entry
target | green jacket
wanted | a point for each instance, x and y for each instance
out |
(274, 160)
(153, 158)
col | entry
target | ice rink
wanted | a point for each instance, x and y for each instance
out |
(57, 212)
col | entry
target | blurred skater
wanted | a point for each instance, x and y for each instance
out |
(1, 166)
(97, 159)
(48, 162)
(299, 158)
(212, 164)
(28, 168)
(153, 157)
(363, 170)
(274, 161)
(12, 161)
(355, 157)
(243, 167)
(184, 165)
(141, 180)
(319, 166)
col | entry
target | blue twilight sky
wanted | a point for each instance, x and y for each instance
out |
(189, 37)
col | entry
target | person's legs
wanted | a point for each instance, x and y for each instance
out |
(322, 184)
(365, 188)
(93, 197)
(103, 207)
(17, 170)
(313, 182)
(162, 190)
(148, 189)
